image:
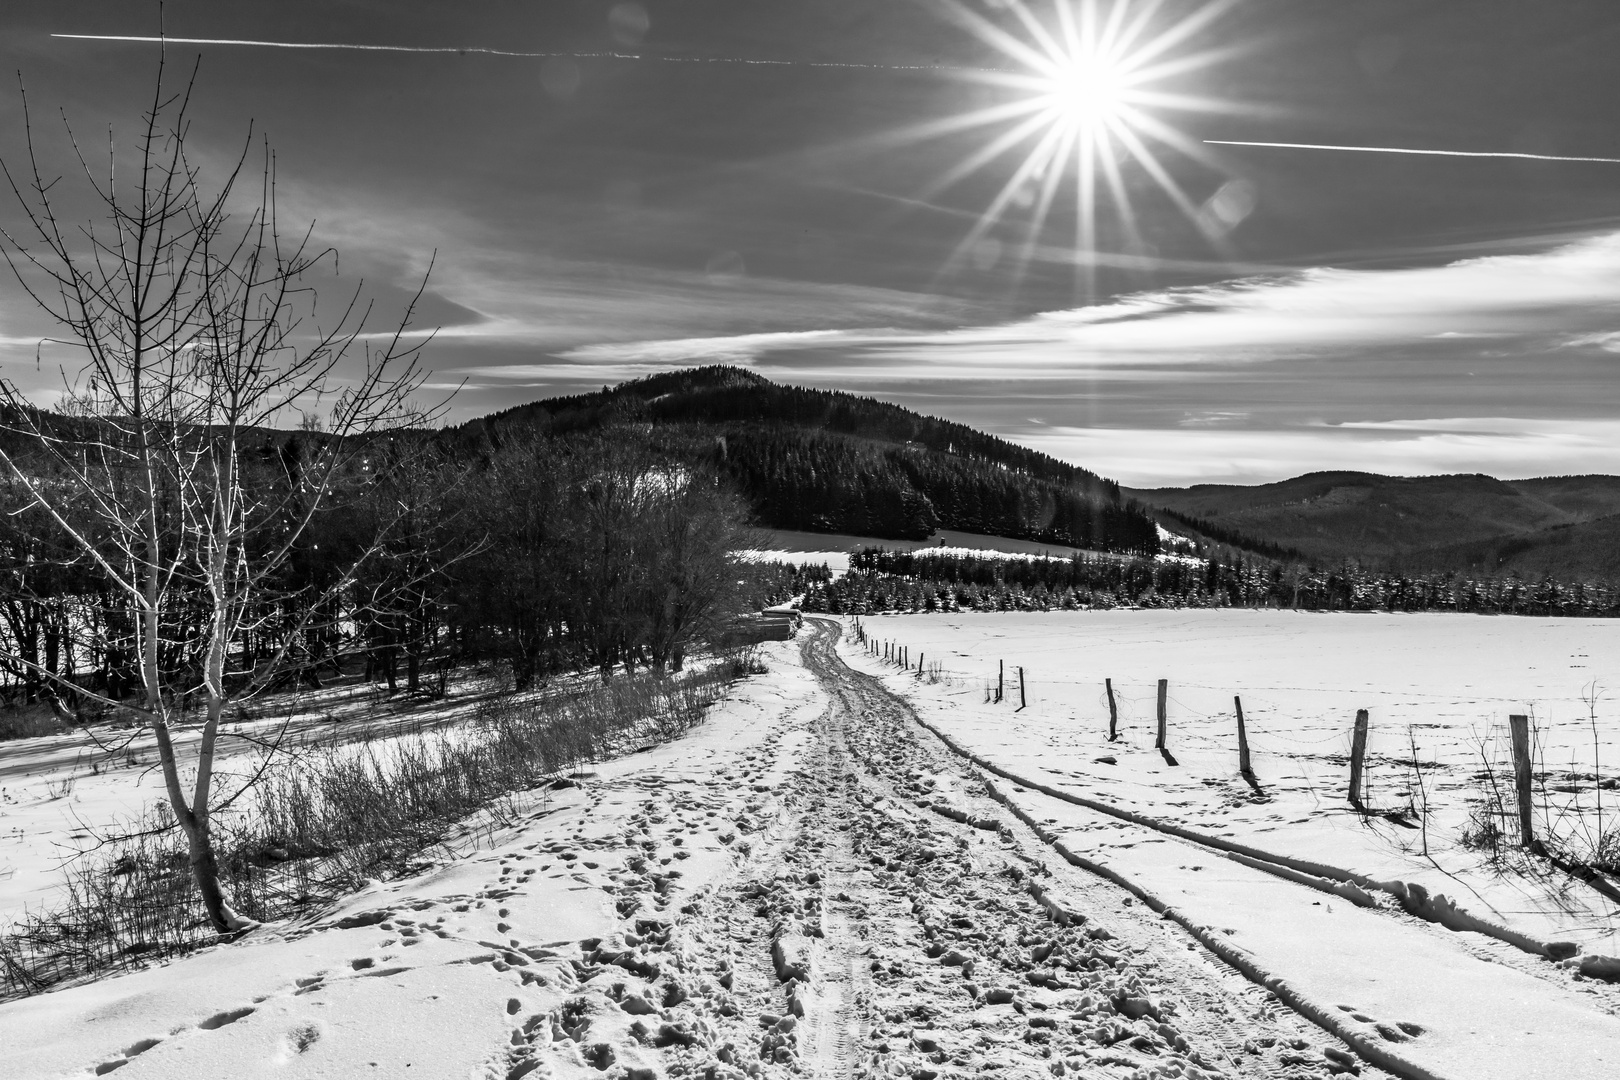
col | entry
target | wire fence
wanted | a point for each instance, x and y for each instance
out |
(1282, 721)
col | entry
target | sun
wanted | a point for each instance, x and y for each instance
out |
(1086, 91)
(1080, 106)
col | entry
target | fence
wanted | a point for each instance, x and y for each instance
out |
(1528, 810)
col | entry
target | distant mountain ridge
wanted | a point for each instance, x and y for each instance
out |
(829, 461)
(1566, 527)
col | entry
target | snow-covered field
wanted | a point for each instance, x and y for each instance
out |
(1446, 683)
(834, 549)
(810, 883)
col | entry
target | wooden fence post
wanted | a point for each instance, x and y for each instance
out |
(1021, 702)
(1001, 677)
(1113, 712)
(1164, 693)
(1244, 765)
(1520, 728)
(920, 658)
(1358, 753)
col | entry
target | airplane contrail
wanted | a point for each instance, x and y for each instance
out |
(480, 50)
(1409, 150)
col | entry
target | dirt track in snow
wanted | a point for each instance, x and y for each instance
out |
(888, 919)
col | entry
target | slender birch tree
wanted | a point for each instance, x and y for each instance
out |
(196, 323)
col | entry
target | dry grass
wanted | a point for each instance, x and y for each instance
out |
(344, 814)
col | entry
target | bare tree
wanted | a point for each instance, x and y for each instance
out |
(197, 326)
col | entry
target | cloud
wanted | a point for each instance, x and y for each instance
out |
(1533, 298)
(736, 349)
(1506, 447)
(1608, 341)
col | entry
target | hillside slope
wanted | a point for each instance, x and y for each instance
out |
(1563, 526)
(826, 461)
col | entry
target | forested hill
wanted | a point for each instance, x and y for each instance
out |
(827, 461)
(1563, 527)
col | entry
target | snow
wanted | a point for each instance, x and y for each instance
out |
(473, 968)
(834, 549)
(1486, 1009)
(59, 793)
(436, 975)
(1448, 680)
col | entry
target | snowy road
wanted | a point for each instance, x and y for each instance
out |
(914, 917)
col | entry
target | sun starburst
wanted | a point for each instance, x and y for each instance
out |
(1081, 105)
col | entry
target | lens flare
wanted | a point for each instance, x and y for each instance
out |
(1080, 104)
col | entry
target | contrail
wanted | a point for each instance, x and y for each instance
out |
(479, 50)
(1409, 150)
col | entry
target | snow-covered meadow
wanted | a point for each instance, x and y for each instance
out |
(61, 795)
(1444, 683)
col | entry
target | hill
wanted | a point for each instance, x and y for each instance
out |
(1567, 527)
(827, 461)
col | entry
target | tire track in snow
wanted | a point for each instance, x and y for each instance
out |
(1154, 1004)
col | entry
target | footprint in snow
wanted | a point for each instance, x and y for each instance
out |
(135, 1049)
(1401, 1031)
(222, 1019)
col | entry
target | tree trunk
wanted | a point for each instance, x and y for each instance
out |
(522, 669)
(205, 872)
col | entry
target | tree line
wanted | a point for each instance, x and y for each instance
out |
(881, 580)
(545, 554)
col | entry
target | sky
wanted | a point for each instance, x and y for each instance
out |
(890, 197)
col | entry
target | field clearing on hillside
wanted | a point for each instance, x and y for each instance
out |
(834, 549)
(1443, 683)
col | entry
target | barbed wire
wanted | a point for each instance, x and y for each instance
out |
(1139, 711)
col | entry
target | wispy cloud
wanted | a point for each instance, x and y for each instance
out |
(1536, 299)
(1515, 155)
(1505, 447)
(481, 50)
